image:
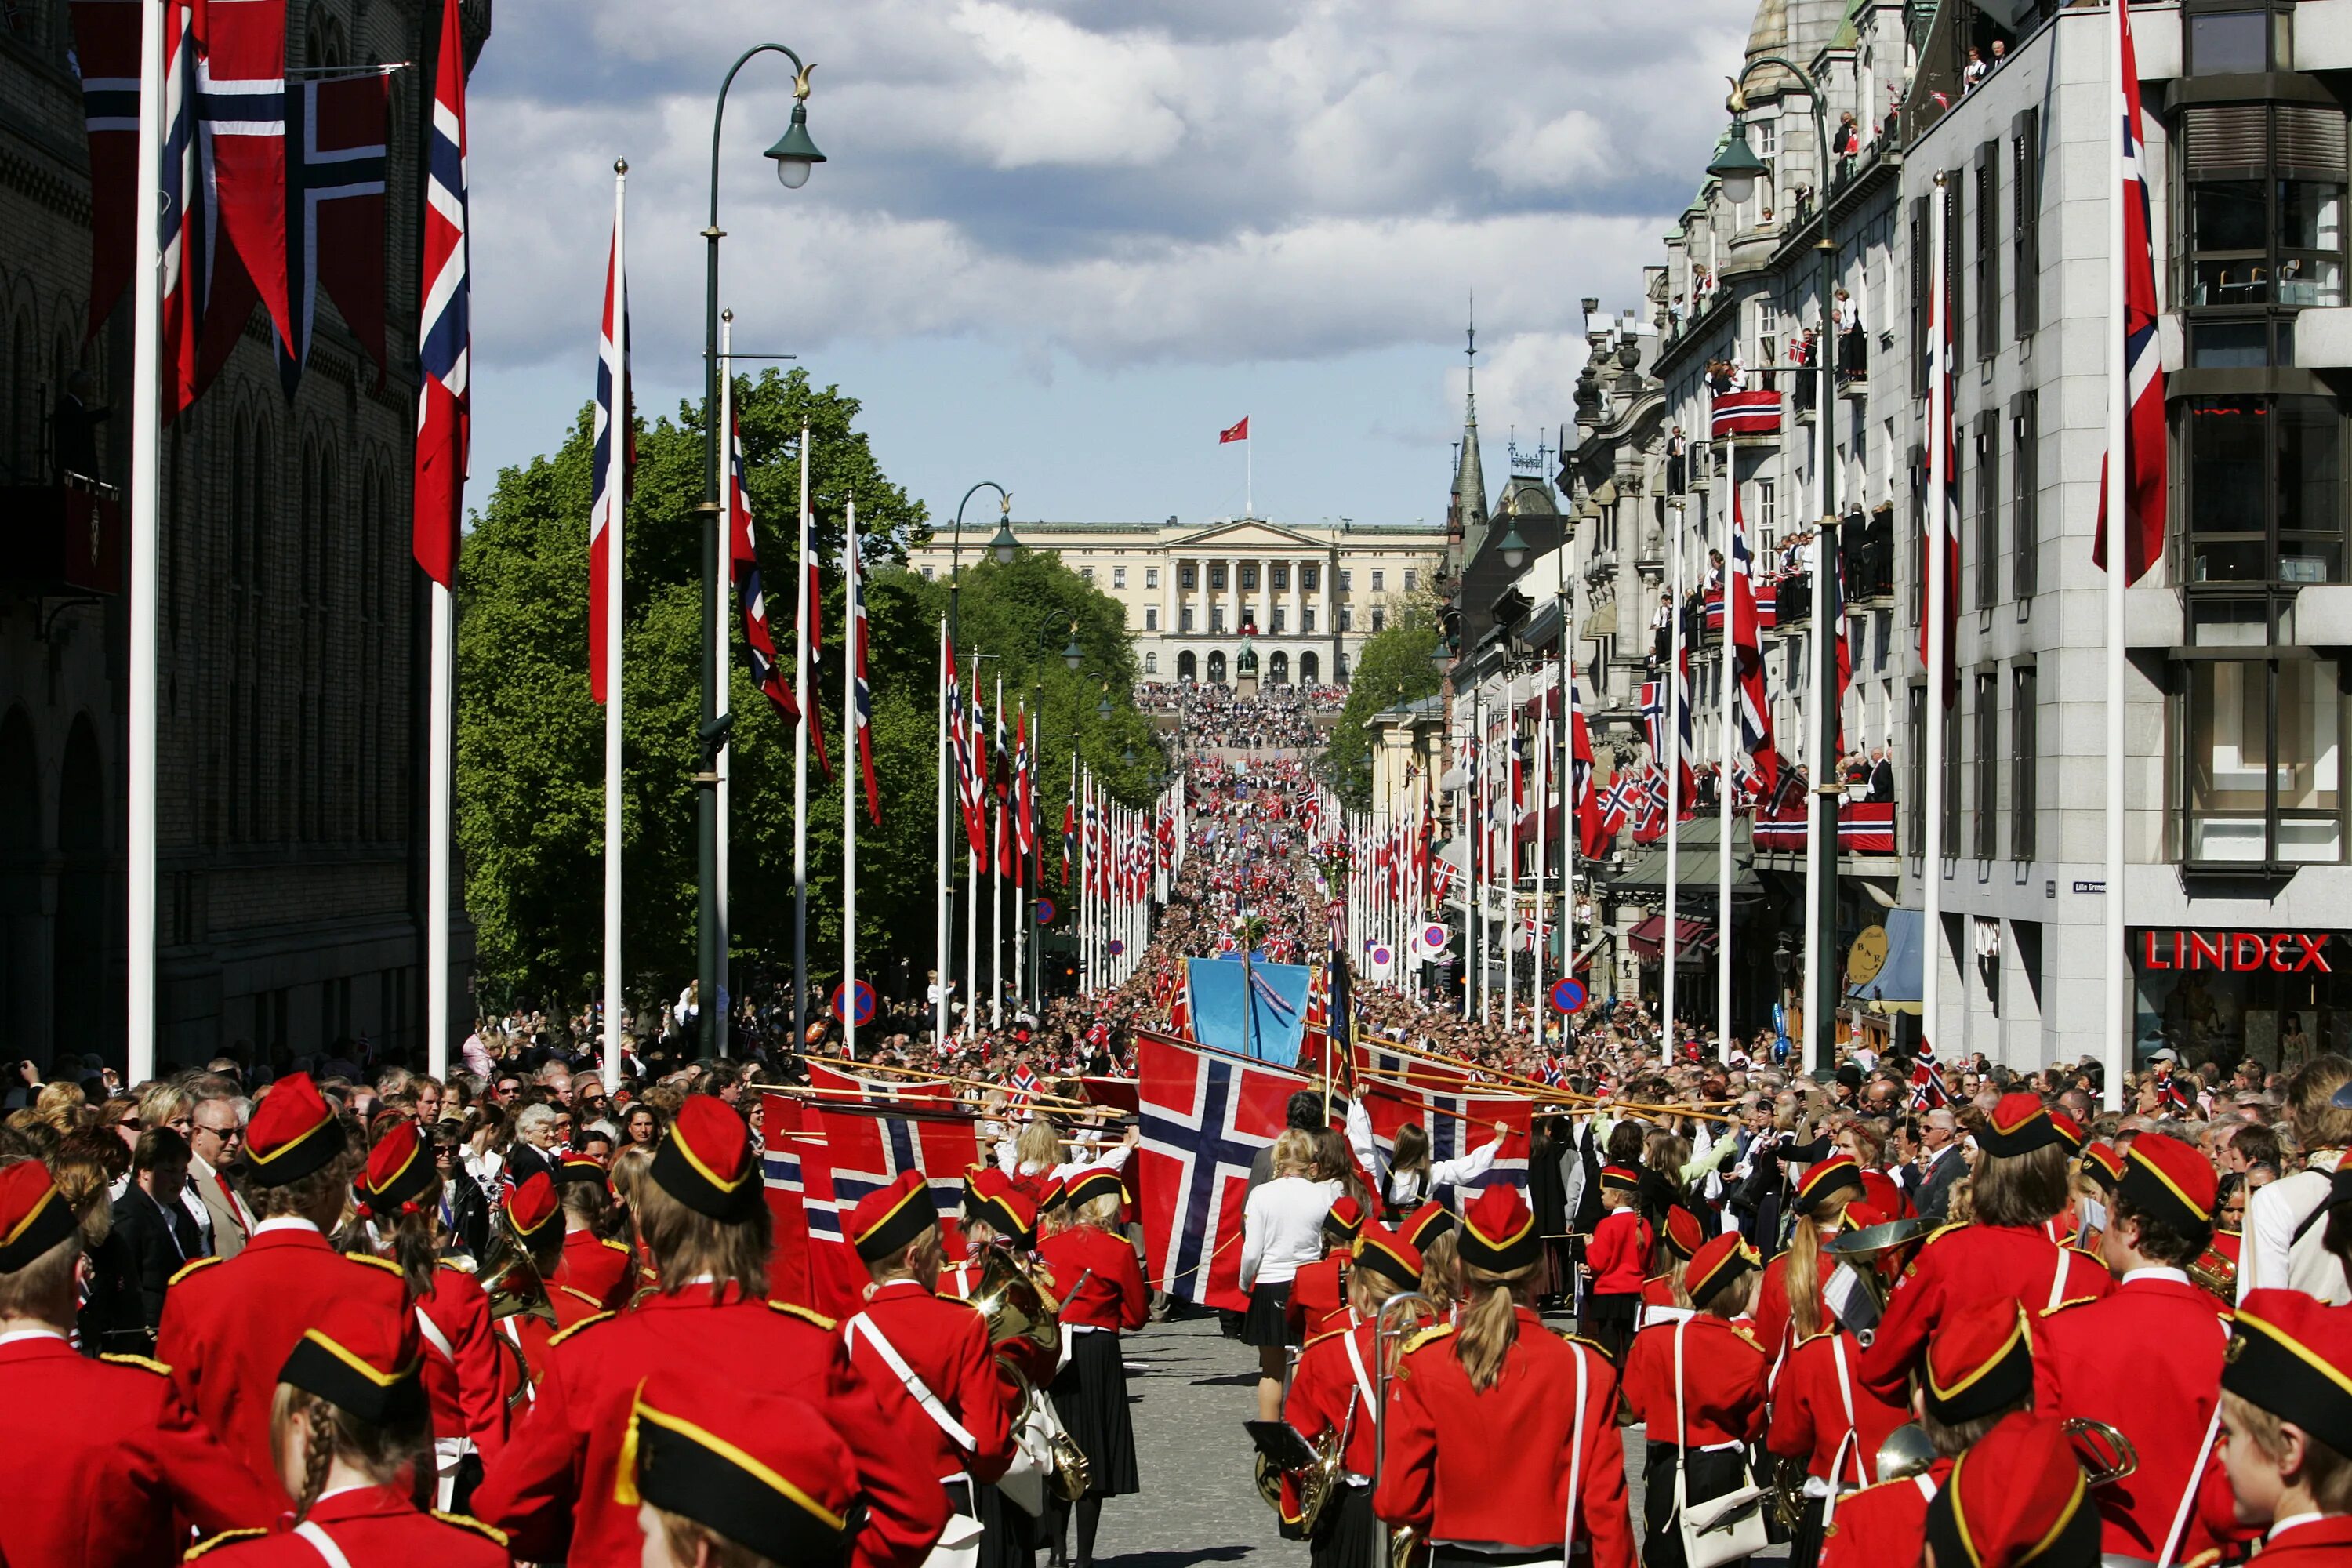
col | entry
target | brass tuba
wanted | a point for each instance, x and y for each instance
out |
(511, 1281)
(2107, 1455)
(1905, 1453)
(1317, 1483)
(1021, 1311)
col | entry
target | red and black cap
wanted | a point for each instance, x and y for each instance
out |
(399, 1173)
(1498, 1232)
(1424, 1224)
(1345, 1222)
(1684, 1233)
(581, 1168)
(1094, 1182)
(533, 1207)
(362, 1360)
(1053, 1195)
(2164, 1177)
(706, 1161)
(891, 1218)
(1384, 1252)
(1619, 1179)
(1011, 1214)
(34, 1215)
(2019, 1125)
(2017, 1497)
(1827, 1179)
(2102, 1163)
(764, 1470)
(2070, 1131)
(1717, 1263)
(292, 1133)
(2293, 1357)
(1979, 1360)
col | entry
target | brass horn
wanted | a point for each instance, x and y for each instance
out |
(1905, 1453)
(2108, 1456)
(1402, 1543)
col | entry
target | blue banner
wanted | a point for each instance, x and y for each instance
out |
(1274, 1027)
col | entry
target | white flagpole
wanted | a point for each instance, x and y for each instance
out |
(722, 659)
(971, 880)
(1537, 959)
(1021, 889)
(616, 448)
(1569, 825)
(945, 972)
(1723, 788)
(996, 886)
(1820, 858)
(146, 594)
(1510, 815)
(2117, 972)
(850, 774)
(807, 700)
(1939, 481)
(1670, 738)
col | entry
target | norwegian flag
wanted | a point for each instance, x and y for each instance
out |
(1616, 806)
(853, 581)
(1686, 744)
(444, 334)
(1654, 719)
(784, 1181)
(859, 1147)
(1205, 1118)
(608, 510)
(1927, 1090)
(1650, 823)
(1022, 1085)
(751, 599)
(974, 781)
(334, 219)
(106, 48)
(1001, 778)
(241, 123)
(812, 714)
(1025, 803)
(2143, 367)
(2170, 1093)
(1833, 585)
(963, 734)
(1069, 840)
(1755, 412)
(1942, 455)
(1180, 1005)
(1450, 1107)
(1747, 653)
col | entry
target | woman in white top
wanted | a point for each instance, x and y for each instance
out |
(1037, 1151)
(1282, 1230)
(1402, 1181)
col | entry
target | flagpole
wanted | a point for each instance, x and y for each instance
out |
(2118, 973)
(1537, 959)
(616, 450)
(1939, 480)
(1510, 815)
(852, 771)
(722, 655)
(1022, 742)
(972, 880)
(996, 884)
(1571, 827)
(943, 974)
(146, 595)
(807, 700)
(1723, 784)
(1812, 1036)
(1670, 739)
(1473, 933)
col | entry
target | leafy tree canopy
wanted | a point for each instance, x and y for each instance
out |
(1394, 668)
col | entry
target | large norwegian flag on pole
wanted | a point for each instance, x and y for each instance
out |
(444, 330)
(334, 216)
(241, 122)
(1458, 1117)
(1747, 653)
(614, 443)
(854, 575)
(751, 597)
(1205, 1116)
(2143, 366)
(872, 1133)
(1024, 809)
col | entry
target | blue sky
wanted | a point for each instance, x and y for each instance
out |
(1061, 243)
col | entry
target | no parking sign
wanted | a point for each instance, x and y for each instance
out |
(862, 993)
(1567, 995)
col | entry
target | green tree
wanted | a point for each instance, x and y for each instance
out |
(1394, 668)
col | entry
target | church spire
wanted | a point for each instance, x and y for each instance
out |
(1470, 514)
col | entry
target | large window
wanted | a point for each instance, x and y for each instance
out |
(1986, 815)
(2025, 743)
(2025, 488)
(2261, 242)
(2259, 762)
(2265, 501)
(2236, 42)
(1988, 542)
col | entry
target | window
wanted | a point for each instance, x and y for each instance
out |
(2232, 43)
(1412, 579)
(1184, 619)
(1380, 579)
(1217, 577)
(1276, 619)
(1988, 760)
(1249, 576)
(1379, 621)
(1151, 618)
(1988, 455)
(1956, 293)
(2025, 222)
(1307, 618)
(2265, 489)
(1988, 181)
(1768, 508)
(1216, 618)
(1767, 322)
(1916, 748)
(1087, 573)
(2024, 743)
(1919, 235)
(1188, 576)
(926, 573)
(1118, 577)
(1346, 618)
(1765, 138)
(1151, 576)
(1279, 573)
(2255, 242)
(1346, 579)
(1150, 663)
(2025, 484)
(2257, 770)
(1311, 576)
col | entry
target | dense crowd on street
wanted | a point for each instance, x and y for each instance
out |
(1279, 718)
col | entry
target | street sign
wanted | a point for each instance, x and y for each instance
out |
(1117, 947)
(863, 991)
(1567, 995)
(1380, 956)
(2099, 888)
(1046, 911)
(1867, 956)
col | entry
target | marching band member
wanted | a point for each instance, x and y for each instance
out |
(998, 1216)
(229, 1326)
(2016, 1497)
(1334, 1392)
(704, 1218)
(1431, 1231)
(2019, 1185)
(1502, 1445)
(1319, 1299)
(2286, 1408)
(349, 1422)
(927, 1356)
(1793, 1280)
(1978, 1372)
(1820, 1413)
(1403, 1179)
(399, 1196)
(728, 1477)
(1101, 1289)
(100, 1457)
(592, 1264)
(2096, 1174)
(1664, 1298)
(1617, 1260)
(1699, 1386)
(2093, 1359)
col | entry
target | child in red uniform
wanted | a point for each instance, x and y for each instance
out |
(1699, 1430)
(1335, 1391)
(1664, 1299)
(1616, 1262)
(2286, 1415)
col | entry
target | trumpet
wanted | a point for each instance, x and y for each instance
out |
(2108, 1456)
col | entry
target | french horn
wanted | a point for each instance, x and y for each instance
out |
(2108, 1456)
(1905, 1453)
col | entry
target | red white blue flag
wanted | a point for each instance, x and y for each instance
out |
(1204, 1117)
(2143, 366)
(1755, 704)
(863, 719)
(445, 333)
(608, 503)
(1756, 413)
(751, 597)
(334, 212)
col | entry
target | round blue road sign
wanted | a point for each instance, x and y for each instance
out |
(1046, 911)
(863, 991)
(1567, 995)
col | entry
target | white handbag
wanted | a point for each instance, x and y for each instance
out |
(1718, 1530)
(1024, 1482)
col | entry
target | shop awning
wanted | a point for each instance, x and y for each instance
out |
(1644, 870)
(1694, 940)
(1896, 987)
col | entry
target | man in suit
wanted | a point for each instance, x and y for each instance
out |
(1940, 1164)
(162, 1235)
(217, 1139)
(1881, 775)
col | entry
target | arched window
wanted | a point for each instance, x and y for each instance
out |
(1187, 668)
(1217, 667)
(1310, 668)
(1277, 668)
(1150, 664)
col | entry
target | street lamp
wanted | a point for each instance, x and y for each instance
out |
(1073, 656)
(1102, 708)
(1735, 168)
(1514, 549)
(1128, 756)
(795, 154)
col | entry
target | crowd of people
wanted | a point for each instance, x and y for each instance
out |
(1279, 718)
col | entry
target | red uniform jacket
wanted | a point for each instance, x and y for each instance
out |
(1318, 1297)
(2316, 1543)
(1326, 1396)
(1619, 1253)
(1493, 1467)
(103, 1466)
(227, 1327)
(1964, 1264)
(1724, 1374)
(945, 1342)
(375, 1527)
(1658, 1290)
(2147, 1360)
(1772, 1307)
(1882, 1524)
(603, 1270)
(462, 1374)
(1112, 1295)
(551, 1489)
(1810, 1400)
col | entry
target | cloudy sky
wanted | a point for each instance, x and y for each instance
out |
(1061, 243)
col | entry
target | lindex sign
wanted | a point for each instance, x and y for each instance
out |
(2241, 952)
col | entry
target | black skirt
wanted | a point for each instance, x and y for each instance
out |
(1344, 1536)
(1010, 1536)
(1713, 1472)
(1090, 1396)
(1805, 1547)
(1267, 1321)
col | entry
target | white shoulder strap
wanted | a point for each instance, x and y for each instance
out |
(862, 1325)
(1682, 1427)
(435, 1337)
(2058, 1283)
(1576, 1454)
(1928, 1488)
(1363, 1379)
(322, 1543)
